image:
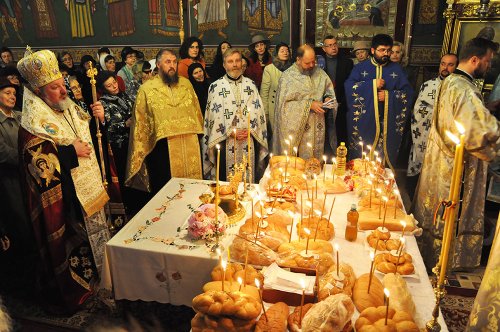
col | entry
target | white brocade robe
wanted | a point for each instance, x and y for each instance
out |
(421, 121)
(293, 116)
(458, 100)
(223, 115)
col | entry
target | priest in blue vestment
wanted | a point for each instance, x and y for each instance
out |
(379, 99)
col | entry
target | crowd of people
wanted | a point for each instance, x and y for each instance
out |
(77, 161)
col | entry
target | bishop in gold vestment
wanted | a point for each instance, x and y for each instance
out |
(163, 136)
(458, 100)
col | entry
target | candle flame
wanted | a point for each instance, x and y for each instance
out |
(304, 176)
(290, 137)
(271, 155)
(403, 240)
(303, 284)
(452, 137)
(295, 149)
(286, 153)
(372, 255)
(379, 160)
(217, 146)
(287, 142)
(386, 292)
(291, 214)
(240, 281)
(324, 158)
(403, 223)
(385, 199)
(379, 190)
(369, 147)
(309, 204)
(315, 177)
(460, 127)
(318, 212)
(234, 130)
(337, 247)
(218, 251)
(360, 143)
(396, 192)
(223, 263)
(309, 145)
(334, 160)
(375, 153)
(307, 231)
(370, 182)
(257, 283)
(257, 214)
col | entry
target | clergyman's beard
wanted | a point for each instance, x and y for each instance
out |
(382, 60)
(479, 73)
(169, 79)
(61, 105)
(444, 74)
(307, 72)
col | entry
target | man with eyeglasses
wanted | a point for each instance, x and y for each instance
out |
(338, 69)
(378, 96)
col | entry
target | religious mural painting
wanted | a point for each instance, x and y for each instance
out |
(237, 21)
(10, 15)
(132, 22)
(80, 15)
(121, 16)
(164, 17)
(353, 21)
(44, 19)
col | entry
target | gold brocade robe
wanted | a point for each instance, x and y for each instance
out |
(459, 100)
(485, 314)
(165, 112)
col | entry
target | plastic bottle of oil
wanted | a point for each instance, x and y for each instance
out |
(341, 159)
(351, 230)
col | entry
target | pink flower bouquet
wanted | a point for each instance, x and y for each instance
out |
(202, 222)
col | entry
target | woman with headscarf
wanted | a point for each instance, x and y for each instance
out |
(191, 51)
(108, 62)
(217, 69)
(259, 58)
(117, 112)
(200, 82)
(270, 79)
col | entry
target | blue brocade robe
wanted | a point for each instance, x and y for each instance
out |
(379, 124)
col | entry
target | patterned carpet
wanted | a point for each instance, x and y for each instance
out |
(152, 316)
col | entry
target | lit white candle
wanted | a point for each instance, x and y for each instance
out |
(324, 168)
(386, 293)
(240, 281)
(308, 232)
(223, 265)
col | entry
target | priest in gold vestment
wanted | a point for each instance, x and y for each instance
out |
(165, 123)
(458, 100)
(299, 111)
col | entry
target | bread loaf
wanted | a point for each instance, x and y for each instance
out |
(325, 228)
(231, 269)
(205, 323)
(369, 219)
(331, 314)
(272, 236)
(320, 262)
(233, 304)
(373, 320)
(328, 285)
(250, 275)
(314, 246)
(232, 286)
(401, 299)
(274, 320)
(362, 299)
(388, 263)
(280, 161)
(258, 254)
(294, 318)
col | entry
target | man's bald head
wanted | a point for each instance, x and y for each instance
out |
(306, 59)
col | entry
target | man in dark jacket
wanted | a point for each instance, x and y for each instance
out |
(338, 69)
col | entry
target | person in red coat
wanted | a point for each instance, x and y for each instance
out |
(258, 59)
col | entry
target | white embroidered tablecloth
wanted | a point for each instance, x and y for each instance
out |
(153, 259)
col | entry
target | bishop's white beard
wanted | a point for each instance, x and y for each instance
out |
(61, 105)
